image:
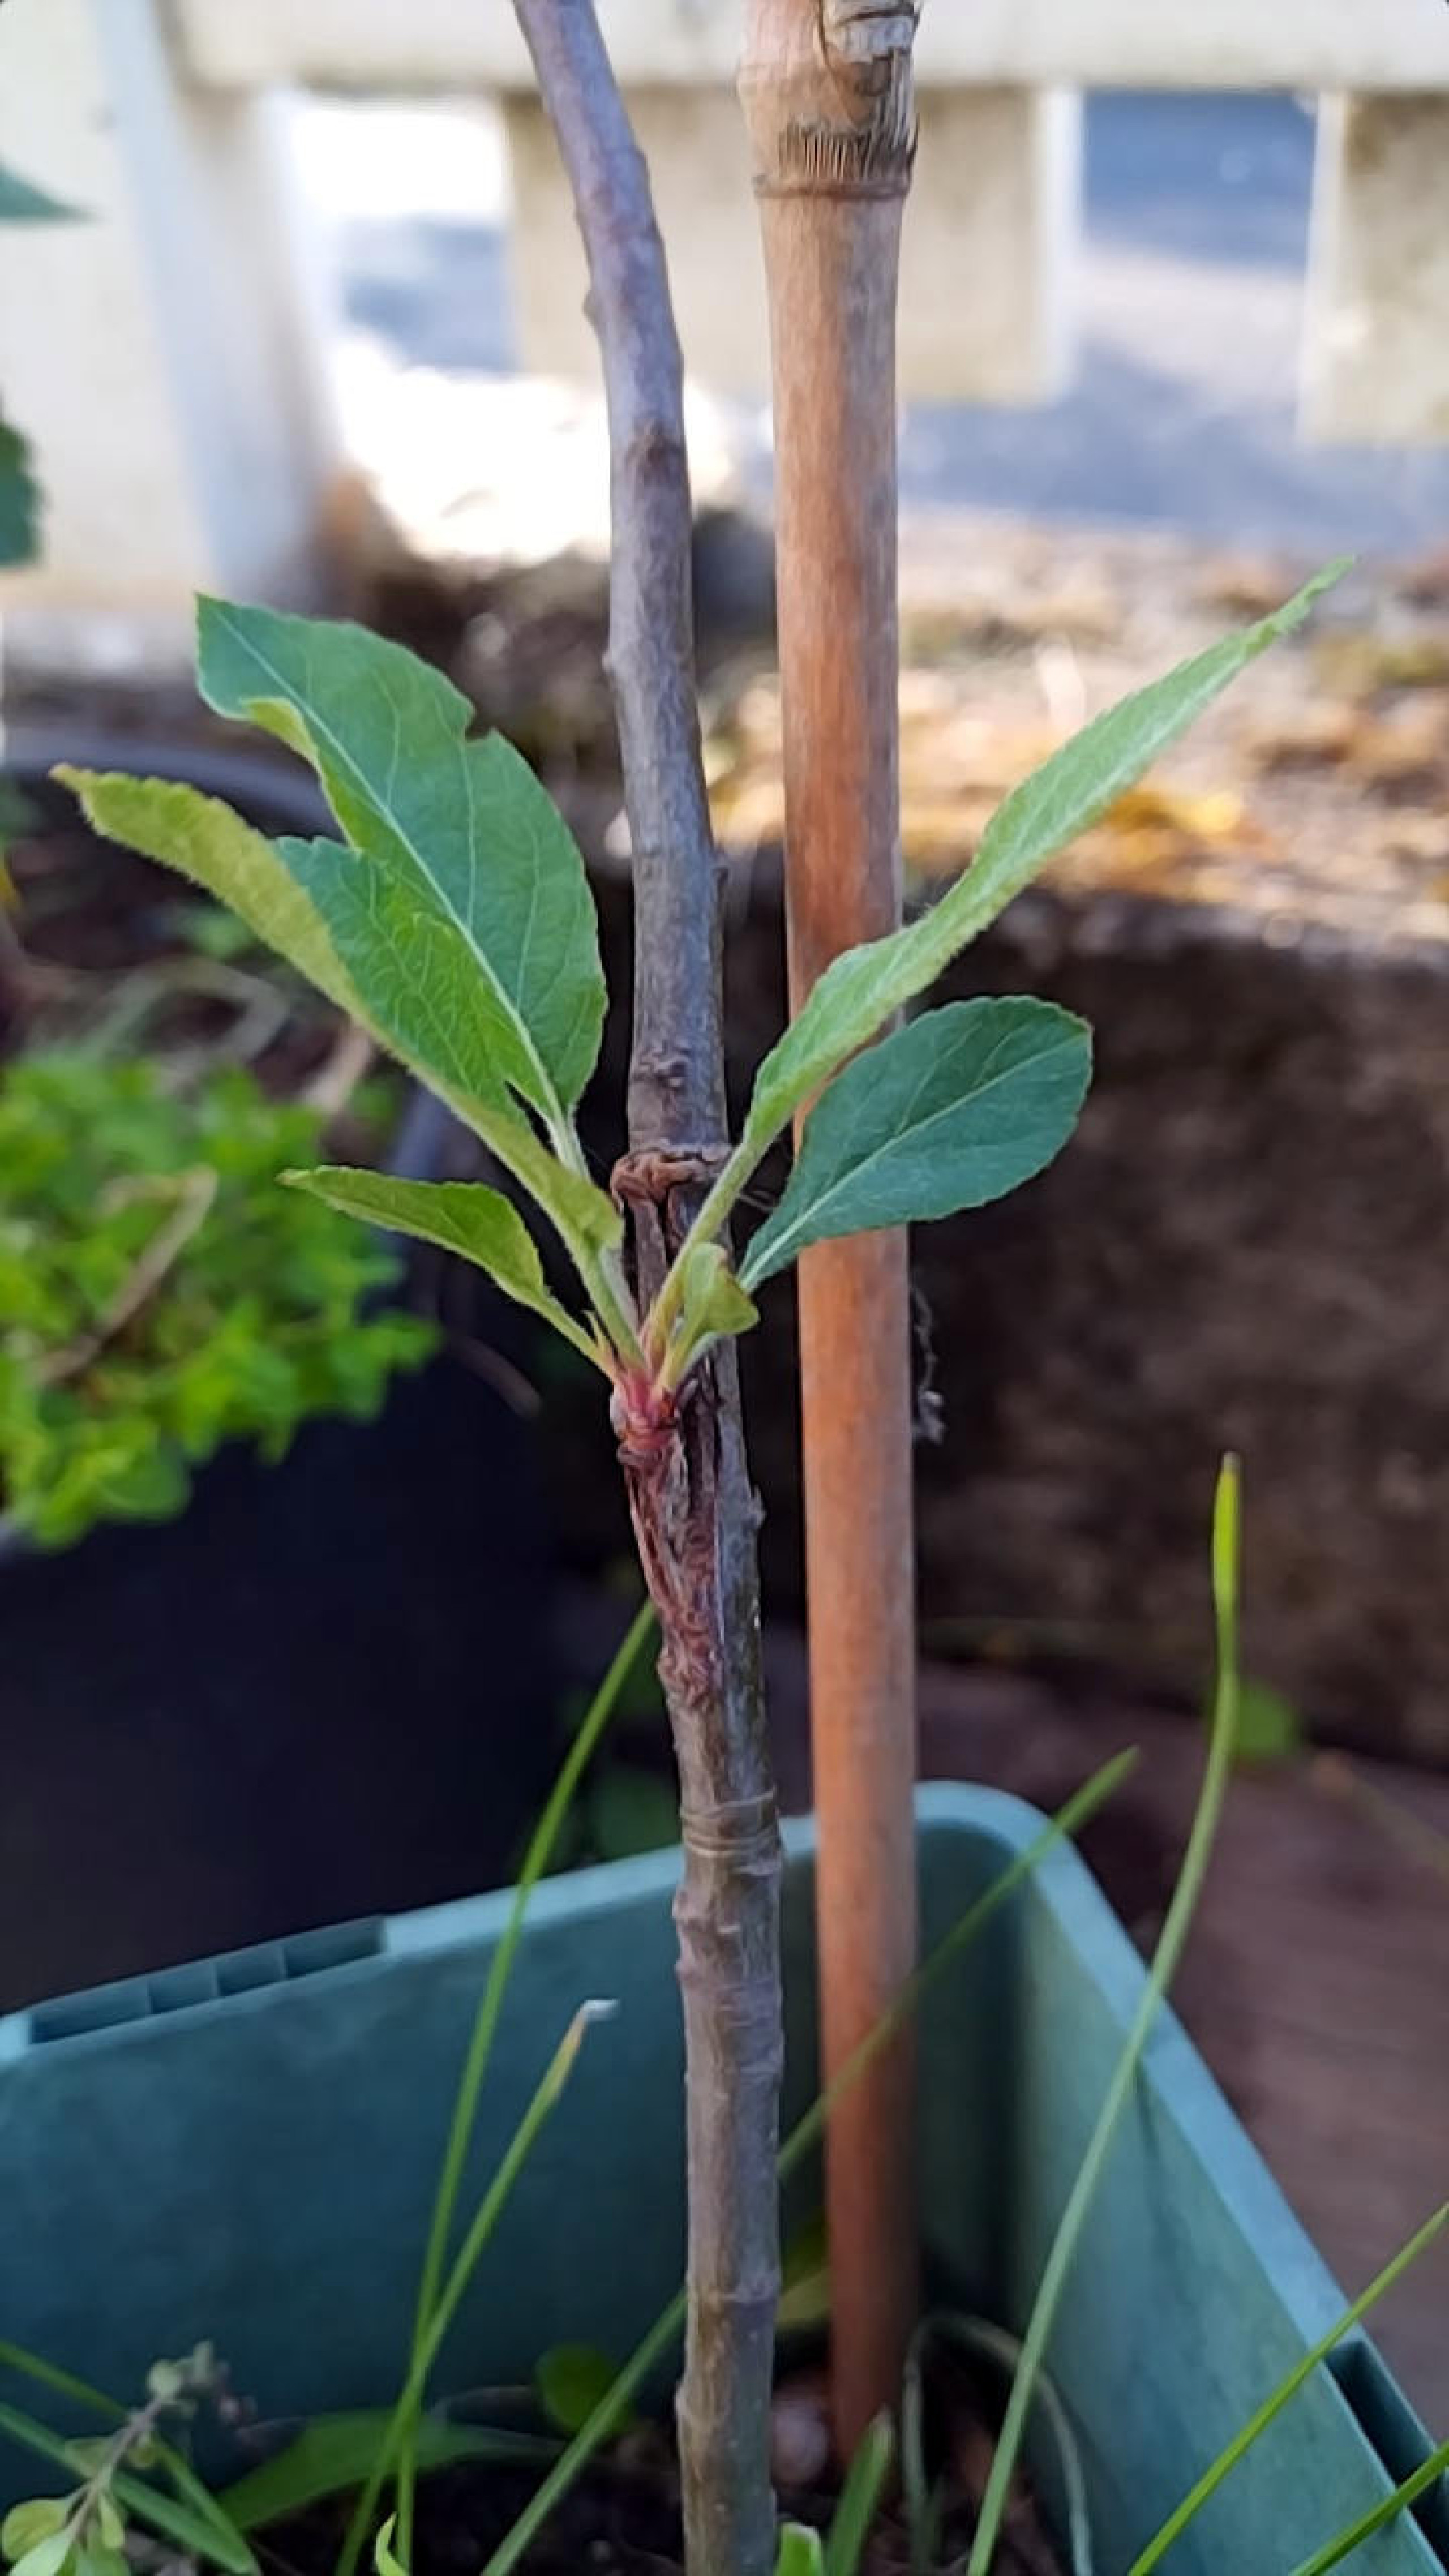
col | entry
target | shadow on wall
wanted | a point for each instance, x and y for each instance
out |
(1245, 1245)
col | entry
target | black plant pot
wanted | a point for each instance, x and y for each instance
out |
(323, 1691)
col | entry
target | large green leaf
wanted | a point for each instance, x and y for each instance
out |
(959, 1107)
(864, 987)
(268, 886)
(335, 2452)
(462, 1217)
(458, 833)
(19, 500)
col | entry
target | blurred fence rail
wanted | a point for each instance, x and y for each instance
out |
(168, 357)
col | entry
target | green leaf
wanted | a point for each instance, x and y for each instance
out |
(860, 2498)
(99, 2558)
(22, 203)
(206, 842)
(37, 2519)
(958, 1107)
(460, 1216)
(336, 2452)
(1270, 1728)
(571, 2380)
(45, 2557)
(460, 830)
(702, 1302)
(800, 2551)
(19, 500)
(384, 2557)
(863, 988)
(202, 2533)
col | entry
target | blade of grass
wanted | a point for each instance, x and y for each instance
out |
(1343, 2545)
(850, 2525)
(32, 2365)
(977, 2335)
(1165, 1958)
(490, 2209)
(805, 2134)
(540, 1851)
(922, 2498)
(199, 2535)
(1287, 2387)
(799, 2551)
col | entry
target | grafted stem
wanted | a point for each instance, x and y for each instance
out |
(689, 1492)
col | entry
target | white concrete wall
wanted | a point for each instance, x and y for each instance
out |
(165, 356)
(1376, 347)
(1093, 44)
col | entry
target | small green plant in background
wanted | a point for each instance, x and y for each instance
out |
(136, 2477)
(158, 1295)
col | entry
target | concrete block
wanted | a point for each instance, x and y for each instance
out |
(1376, 345)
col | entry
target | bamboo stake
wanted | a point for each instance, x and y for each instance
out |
(693, 1509)
(826, 87)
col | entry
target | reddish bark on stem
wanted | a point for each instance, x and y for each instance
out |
(826, 90)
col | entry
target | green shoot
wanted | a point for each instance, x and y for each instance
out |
(1119, 2092)
(801, 2551)
(1346, 2542)
(860, 2498)
(167, 2458)
(1288, 2387)
(490, 2209)
(977, 2336)
(397, 2449)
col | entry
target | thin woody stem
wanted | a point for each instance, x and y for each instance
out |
(690, 1498)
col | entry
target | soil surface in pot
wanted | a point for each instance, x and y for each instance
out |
(622, 2518)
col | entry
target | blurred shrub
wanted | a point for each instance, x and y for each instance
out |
(159, 1293)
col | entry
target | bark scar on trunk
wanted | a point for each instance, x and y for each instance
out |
(839, 119)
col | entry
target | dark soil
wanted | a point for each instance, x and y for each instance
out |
(622, 2517)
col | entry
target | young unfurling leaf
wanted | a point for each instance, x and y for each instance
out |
(707, 1303)
(461, 1216)
(959, 1107)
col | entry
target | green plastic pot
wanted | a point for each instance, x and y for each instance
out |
(245, 2150)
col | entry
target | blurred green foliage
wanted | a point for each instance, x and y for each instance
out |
(159, 1294)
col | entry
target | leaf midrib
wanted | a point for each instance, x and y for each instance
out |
(551, 1104)
(979, 1092)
